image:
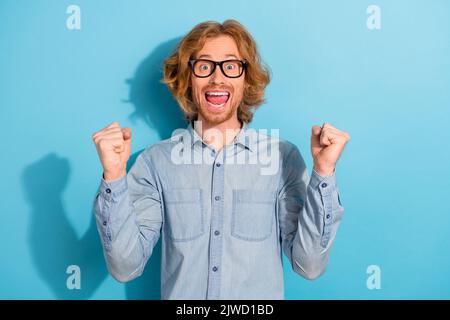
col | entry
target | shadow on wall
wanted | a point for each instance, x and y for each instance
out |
(151, 98)
(53, 241)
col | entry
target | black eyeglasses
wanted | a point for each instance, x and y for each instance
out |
(203, 68)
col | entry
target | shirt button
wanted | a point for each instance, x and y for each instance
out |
(108, 190)
(328, 216)
(217, 198)
(215, 269)
(216, 232)
(104, 223)
(324, 185)
(217, 165)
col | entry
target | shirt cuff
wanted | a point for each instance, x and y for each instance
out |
(114, 188)
(326, 184)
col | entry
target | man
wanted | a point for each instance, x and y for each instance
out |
(223, 219)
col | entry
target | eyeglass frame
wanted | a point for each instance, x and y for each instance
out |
(220, 64)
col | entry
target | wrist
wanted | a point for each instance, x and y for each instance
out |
(324, 170)
(110, 176)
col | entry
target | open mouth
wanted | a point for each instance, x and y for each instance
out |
(216, 98)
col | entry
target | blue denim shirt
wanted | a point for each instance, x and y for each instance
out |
(225, 218)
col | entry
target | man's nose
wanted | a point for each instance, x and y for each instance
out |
(217, 77)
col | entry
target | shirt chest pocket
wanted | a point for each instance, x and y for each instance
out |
(253, 214)
(184, 214)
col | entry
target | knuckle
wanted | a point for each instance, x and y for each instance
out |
(102, 143)
(118, 141)
(114, 132)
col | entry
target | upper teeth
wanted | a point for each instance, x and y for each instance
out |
(217, 93)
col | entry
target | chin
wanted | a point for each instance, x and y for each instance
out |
(215, 117)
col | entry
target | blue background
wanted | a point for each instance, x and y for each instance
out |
(389, 88)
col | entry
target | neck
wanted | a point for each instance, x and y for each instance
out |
(218, 135)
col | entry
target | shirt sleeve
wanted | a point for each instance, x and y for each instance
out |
(129, 219)
(310, 212)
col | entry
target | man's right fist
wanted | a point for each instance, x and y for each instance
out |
(113, 145)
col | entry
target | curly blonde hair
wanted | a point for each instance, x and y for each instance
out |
(177, 73)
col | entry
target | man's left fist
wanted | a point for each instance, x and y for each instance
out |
(327, 144)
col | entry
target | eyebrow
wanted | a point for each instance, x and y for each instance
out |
(208, 56)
